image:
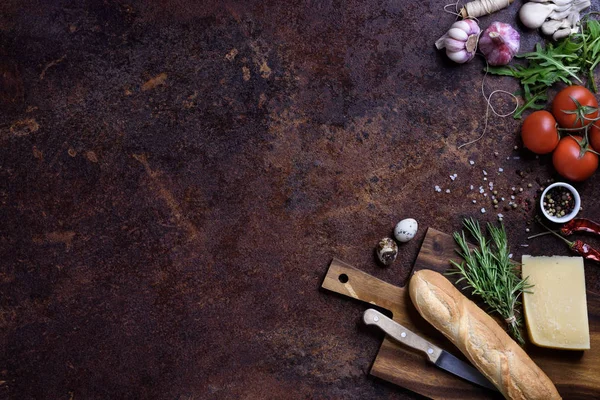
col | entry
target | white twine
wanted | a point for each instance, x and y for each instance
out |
(456, 12)
(479, 8)
(490, 106)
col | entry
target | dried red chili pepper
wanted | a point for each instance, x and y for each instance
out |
(585, 250)
(578, 247)
(580, 225)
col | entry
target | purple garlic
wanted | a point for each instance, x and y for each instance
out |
(460, 41)
(499, 43)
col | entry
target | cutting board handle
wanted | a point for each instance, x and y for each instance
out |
(344, 279)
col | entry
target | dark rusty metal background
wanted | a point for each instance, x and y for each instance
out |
(175, 177)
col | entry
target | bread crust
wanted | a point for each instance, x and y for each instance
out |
(491, 350)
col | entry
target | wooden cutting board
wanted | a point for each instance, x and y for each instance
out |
(576, 374)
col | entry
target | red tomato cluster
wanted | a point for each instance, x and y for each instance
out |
(574, 111)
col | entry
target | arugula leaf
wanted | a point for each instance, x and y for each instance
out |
(573, 57)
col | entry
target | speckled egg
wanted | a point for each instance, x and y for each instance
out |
(387, 251)
(406, 229)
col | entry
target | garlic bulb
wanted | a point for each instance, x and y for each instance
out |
(460, 41)
(499, 43)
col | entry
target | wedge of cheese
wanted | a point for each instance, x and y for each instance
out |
(556, 311)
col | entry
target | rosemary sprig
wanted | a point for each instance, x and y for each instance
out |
(490, 273)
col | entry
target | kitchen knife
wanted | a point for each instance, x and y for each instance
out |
(439, 357)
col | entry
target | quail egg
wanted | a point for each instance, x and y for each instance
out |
(406, 229)
(387, 251)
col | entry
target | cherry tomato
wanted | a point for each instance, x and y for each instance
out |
(539, 132)
(573, 162)
(564, 107)
(594, 137)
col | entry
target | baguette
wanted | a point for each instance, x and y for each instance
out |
(479, 337)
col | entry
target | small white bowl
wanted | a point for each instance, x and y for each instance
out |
(572, 214)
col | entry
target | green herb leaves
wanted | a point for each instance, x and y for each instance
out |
(574, 56)
(490, 273)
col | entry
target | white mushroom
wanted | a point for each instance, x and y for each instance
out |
(557, 18)
(534, 14)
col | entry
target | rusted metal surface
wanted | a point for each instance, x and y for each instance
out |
(175, 178)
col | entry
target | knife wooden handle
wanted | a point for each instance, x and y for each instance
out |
(401, 334)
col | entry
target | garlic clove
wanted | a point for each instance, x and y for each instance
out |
(458, 34)
(463, 25)
(473, 27)
(459, 56)
(454, 45)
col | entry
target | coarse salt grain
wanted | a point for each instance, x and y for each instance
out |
(447, 190)
(483, 210)
(471, 162)
(484, 173)
(510, 255)
(474, 201)
(500, 169)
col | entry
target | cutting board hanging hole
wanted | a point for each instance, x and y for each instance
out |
(343, 278)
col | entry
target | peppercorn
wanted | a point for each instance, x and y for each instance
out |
(558, 202)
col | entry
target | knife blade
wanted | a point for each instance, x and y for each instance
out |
(436, 355)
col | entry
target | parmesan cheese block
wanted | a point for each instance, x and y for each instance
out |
(556, 311)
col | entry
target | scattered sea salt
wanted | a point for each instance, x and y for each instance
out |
(484, 173)
(471, 162)
(500, 169)
(474, 201)
(447, 190)
(510, 255)
(483, 210)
